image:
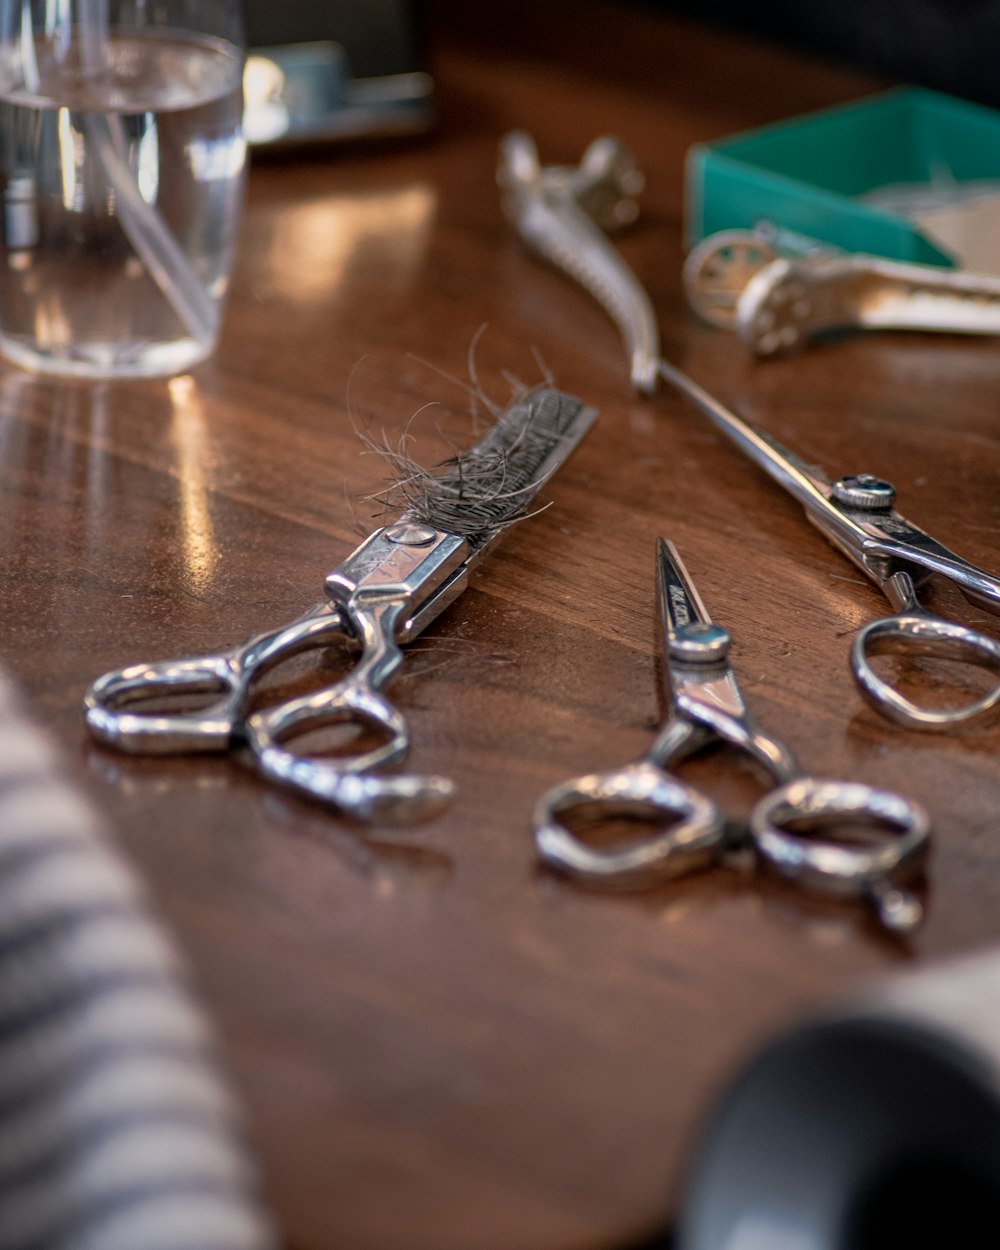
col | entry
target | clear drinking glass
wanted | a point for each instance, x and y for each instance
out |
(121, 179)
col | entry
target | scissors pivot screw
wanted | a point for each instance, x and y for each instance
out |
(410, 535)
(864, 490)
(699, 643)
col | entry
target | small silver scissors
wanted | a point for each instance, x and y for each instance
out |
(785, 826)
(551, 207)
(379, 598)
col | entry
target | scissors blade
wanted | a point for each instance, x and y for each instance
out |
(460, 511)
(484, 489)
(679, 602)
(698, 679)
(563, 421)
(879, 542)
(805, 482)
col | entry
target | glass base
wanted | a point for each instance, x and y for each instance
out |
(107, 360)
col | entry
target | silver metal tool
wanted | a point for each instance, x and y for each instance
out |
(787, 828)
(776, 303)
(384, 594)
(855, 512)
(563, 213)
(717, 270)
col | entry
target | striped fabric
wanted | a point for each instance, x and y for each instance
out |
(116, 1131)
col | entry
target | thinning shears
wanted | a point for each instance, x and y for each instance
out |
(385, 593)
(787, 828)
(551, 209)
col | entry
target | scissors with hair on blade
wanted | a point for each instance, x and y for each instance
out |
(380, 597)
(550, 208)
(793, 829)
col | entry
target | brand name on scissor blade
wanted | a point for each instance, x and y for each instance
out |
(681, 606)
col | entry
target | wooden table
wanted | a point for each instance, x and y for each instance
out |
(439, 1046)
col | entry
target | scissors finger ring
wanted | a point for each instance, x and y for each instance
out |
(913, 632)
(121, 707)
(782, 827)
(691, 826)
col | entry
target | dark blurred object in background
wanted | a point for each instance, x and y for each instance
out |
(334, 69)
(950, 45)
(379, 36)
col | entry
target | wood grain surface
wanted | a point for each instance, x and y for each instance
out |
(440, 1046)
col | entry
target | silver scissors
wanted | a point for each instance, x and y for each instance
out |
(384, 594)
(855, 512)
(786, 827)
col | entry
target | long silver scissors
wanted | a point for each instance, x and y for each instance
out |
(855, 512)
(384, 594)
(786, 827)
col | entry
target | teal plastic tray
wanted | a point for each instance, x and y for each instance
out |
(806, 174)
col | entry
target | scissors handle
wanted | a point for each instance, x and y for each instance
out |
(342, 780)
(915, 632)
(690, 836)
(786, 829)
(700, 724)
(114, 703)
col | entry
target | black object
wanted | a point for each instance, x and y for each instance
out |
(379, 37)
(949, 45)
(333, 69)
